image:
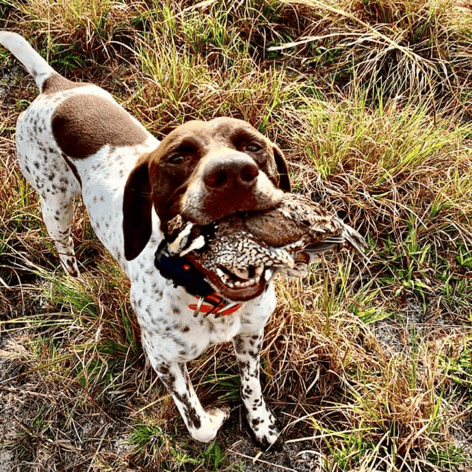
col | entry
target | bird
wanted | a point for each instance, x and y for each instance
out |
(286, 238)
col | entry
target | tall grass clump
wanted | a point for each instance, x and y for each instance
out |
(416, 50)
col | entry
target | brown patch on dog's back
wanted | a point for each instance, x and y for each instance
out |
(83, 124)
(57, 83)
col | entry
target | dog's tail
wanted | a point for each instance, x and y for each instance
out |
(33, 62)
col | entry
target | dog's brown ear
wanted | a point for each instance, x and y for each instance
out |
(137, 209)
(282, 169)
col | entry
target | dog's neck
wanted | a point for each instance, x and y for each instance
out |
(184, 274)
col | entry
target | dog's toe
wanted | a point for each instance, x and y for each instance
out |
(210, 424)
(265, 432)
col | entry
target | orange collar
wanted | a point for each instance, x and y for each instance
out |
(183, 273)
(214, 304)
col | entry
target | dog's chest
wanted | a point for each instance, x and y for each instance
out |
(166, 316)
(184, 338)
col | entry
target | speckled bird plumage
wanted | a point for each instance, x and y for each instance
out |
(287, 237)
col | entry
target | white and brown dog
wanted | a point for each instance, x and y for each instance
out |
(74, 138)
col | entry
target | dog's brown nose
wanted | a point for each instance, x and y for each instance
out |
(233, 172)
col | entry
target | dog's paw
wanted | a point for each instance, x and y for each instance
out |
(69, 263)
(210, 424)
(264, 430)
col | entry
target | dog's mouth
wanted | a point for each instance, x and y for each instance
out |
(238, 265)
(238, 255)
(232, 283)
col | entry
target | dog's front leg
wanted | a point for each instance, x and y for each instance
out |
(202, 424)
(260, 419)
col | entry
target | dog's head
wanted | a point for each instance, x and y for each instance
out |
(204, 171)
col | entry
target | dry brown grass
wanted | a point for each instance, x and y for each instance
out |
(368, 368)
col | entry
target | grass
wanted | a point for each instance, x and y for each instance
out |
(367, 367)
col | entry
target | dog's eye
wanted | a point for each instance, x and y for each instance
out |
(178, 159)
(253, 147)
(182, 153)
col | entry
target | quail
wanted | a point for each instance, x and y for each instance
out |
(285, 239)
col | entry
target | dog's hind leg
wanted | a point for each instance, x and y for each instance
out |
(58, 212)
(49, 174)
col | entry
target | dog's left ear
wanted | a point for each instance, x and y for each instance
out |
(282, 169)
(137, 209)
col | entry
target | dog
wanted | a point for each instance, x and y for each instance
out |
(76, 139)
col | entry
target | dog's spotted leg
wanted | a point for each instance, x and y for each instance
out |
(57, 215)
(202, 424)
(260, 419)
